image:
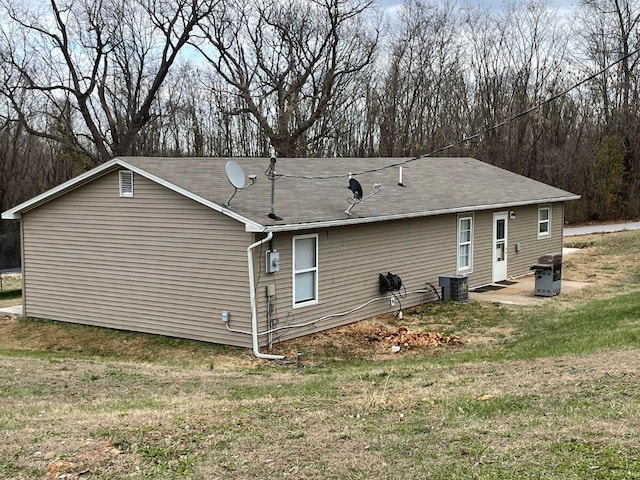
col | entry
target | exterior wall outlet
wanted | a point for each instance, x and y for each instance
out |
(273, 261)
(393, 301)
(225, 316)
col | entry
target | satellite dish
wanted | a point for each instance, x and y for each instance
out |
(358, 194)
(356, 188)
(235, 174)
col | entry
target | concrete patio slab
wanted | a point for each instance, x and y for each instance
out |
(521, 292)
(11, 311)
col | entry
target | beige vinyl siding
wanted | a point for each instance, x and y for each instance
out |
(419, 250)
(157, 262)
(350, 260)
(523, 230)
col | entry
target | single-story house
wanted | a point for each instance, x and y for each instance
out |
(162, 245)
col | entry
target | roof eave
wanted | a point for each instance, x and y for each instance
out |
(400, 216)
(15, 213)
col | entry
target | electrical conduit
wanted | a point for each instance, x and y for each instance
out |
(254, 307)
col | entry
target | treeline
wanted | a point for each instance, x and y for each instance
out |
(84, 81)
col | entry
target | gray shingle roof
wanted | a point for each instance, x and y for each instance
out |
(431, 186)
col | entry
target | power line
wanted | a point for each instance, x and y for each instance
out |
(476, 135)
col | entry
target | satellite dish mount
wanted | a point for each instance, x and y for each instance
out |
(235, 175)
(358, 194)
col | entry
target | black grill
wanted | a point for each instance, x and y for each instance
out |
(548, 271)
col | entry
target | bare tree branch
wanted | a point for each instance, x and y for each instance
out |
(288, 60)
(93, 46)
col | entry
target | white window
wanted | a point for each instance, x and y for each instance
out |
(126, 183)
(305, 270)
(465, 245)
(544, 222)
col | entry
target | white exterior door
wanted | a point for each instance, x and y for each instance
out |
(500, 246)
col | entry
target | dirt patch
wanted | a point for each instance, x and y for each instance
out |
(378, 337)
(386, 338)
(401, 337)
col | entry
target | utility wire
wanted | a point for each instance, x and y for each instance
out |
(476, 135)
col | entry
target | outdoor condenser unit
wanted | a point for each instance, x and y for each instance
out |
(454, 287)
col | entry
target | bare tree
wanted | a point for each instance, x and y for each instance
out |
(290, 61)
(517, 61)
(423, 100)
(197, 119)
(25, 170)
(610, 34)
(93, 68)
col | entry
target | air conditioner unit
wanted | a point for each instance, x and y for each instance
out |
(454, 287)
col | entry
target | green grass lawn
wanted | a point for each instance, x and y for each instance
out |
(11, 292)
(542, 392)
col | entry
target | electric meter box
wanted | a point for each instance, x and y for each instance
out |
(273, 261)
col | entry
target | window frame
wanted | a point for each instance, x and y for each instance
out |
(546, 234)
(125, 194)
(467, 268)
(294, 272)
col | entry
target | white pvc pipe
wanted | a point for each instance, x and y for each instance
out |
(254, 307)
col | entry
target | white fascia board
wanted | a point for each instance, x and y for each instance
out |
(250, 225)
(16, 212)
(10, 215)
(400, 216)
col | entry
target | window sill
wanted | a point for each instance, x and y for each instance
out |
(308, 303)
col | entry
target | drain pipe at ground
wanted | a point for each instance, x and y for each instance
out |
(254, 307)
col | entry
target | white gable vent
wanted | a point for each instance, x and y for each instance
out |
(126, 183)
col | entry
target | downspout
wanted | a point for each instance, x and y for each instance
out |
(254, 307)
